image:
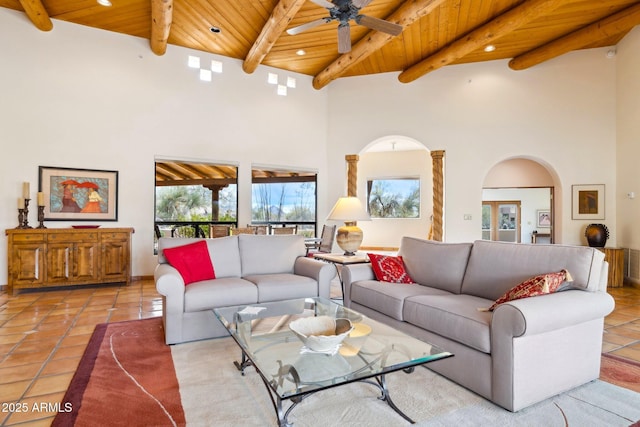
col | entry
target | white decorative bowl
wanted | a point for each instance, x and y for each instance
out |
(321, 333)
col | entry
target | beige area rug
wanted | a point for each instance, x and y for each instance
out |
(129, 377)
(215, 393)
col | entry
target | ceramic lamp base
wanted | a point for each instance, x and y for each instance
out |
(349, 238)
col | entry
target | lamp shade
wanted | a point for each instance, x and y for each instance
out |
(348, 209)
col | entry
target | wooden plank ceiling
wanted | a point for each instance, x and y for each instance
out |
(435, 33)
(170, 173)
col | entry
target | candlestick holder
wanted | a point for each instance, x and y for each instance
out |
(41, 217)
(25, 222)
(20, 218)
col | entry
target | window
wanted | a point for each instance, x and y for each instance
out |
(394, 197)
(190, 197)
(284, 198)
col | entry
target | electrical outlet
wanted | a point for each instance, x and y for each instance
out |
(467, 217)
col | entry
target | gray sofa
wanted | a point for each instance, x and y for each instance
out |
(248, 268)
(525, 350)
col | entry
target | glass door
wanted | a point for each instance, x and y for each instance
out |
(501, 221)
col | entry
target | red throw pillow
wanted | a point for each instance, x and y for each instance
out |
(537, 285)
(192, 261)
(389, 268)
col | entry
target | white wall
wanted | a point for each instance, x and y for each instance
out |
(83, 98)
(561, 113)
(627, 228)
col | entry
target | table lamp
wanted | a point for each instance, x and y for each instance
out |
(349, 210)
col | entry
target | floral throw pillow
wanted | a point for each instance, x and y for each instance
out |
(389, 268)
(538, 285)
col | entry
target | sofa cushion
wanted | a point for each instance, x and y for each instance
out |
(208, 294)
(435, 264)
(268, 254)
(388, 298)
(277, 287)
(538, 285)
(389, 268)
(192, 261)
(496, 267)
(455, 317)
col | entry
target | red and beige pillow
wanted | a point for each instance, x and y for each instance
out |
(538, 285)
(389, 268)
(192, 261)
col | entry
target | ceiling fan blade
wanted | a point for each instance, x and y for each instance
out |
(379, 24)
(360, 3)
(344, 38)
(324, 3)
(304, 27)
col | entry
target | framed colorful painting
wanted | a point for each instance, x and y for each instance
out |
(79, 194)
(588, 201)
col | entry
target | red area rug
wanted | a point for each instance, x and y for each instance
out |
(126, 373)
(620, 371)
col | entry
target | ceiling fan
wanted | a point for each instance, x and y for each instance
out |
(344, 11)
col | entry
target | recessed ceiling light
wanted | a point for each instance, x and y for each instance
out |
(106, 3)
(489, 48)
(301, 52)
(215, 29)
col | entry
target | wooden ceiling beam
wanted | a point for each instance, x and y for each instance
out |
(607, 27)
(480, 37)
(280, 17)
(161, 19)
(407, 14)
(38, 15)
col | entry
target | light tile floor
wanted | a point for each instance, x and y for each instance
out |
(43, 336)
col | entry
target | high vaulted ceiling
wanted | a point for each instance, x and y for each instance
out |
(435, 32)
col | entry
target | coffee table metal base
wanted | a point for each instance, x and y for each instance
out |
(283, 415)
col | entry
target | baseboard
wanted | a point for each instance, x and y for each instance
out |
(139, 278)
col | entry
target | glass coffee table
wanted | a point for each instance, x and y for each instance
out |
(292, 373)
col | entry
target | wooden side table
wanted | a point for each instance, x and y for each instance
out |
(615, 258)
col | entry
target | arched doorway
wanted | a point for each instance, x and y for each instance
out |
(518, 202)
(391, 162)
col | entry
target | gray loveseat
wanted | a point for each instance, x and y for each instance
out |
(248, 269)
(525, 350)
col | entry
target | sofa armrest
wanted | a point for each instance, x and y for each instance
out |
(320, 271)
(354, 273)
(543, 345)
(170, 284)
(536, 315)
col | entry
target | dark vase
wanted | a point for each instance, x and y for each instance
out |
(597, 235)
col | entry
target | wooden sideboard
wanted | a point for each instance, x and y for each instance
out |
(615, 258)
(41, 258)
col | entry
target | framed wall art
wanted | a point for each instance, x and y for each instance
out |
(588, 201)
(543, 218)
(79, 194)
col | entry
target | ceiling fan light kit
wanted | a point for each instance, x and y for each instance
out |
(345, 11)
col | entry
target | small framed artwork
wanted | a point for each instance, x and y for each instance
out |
(543, 218)
(79, 194)
(588, 201)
